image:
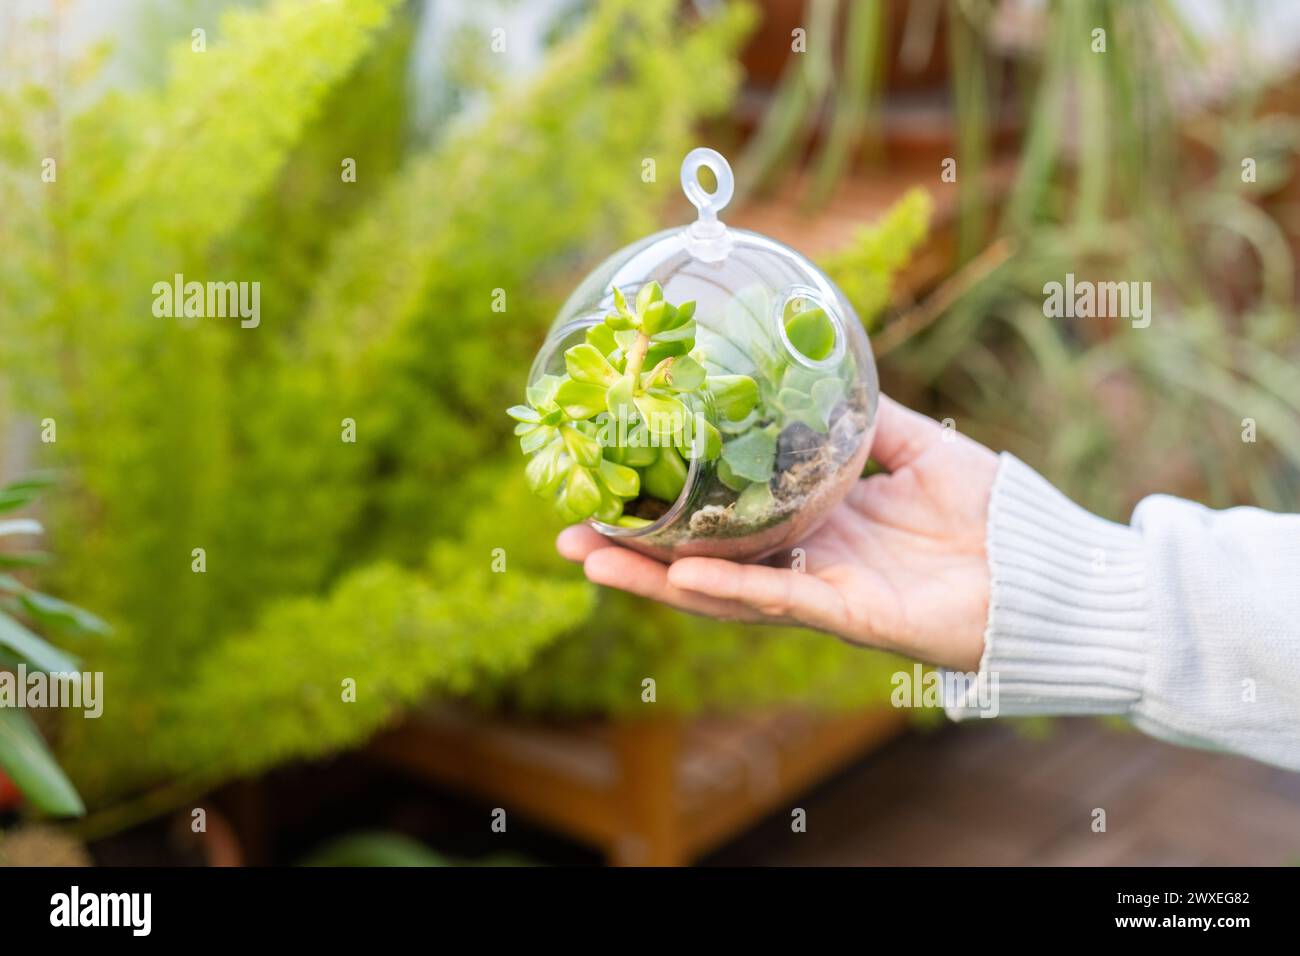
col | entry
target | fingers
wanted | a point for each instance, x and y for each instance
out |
(773, 593)
(637, 574)
(708, 586)
(578, 541)
(902, 434)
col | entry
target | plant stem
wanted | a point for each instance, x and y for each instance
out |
(636, 358)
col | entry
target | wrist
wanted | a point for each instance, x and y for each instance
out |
(1066, 623)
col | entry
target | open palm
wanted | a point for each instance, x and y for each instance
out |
(899, 564)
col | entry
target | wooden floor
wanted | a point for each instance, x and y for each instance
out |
(992, 793)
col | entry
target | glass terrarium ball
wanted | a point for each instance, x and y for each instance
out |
(754, 351)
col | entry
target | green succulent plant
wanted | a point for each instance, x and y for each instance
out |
(632, 408)
(785, 392)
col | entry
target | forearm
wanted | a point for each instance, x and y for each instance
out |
(1188, 621)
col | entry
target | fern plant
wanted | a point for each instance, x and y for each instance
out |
(314, 569)
(366, 537)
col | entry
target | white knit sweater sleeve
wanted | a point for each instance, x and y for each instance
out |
(1187, 621)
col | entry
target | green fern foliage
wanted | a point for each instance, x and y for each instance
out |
(313, 459)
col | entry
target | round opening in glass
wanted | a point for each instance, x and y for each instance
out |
(809, 329)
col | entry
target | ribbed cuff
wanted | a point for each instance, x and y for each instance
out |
(1066, 631)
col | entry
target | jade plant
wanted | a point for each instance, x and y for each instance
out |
(633, 407)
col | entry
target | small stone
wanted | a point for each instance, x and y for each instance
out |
(796, 443)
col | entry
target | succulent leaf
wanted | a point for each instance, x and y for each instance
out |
(812, 333)
(541, 394)
(583, 449)
(621, 480)
(585, 363)
(546, 469)
(581, 493)
(754, 502)
(656, 317)
(620, 304)
(734, 395)
(602, 338)
(639, 451)
(752, 455)
(580, 399)
(648, 294)
(632, 521)
(665, 478)
(523, 413)
(684, 374)
(535, 438)
(619, 399)
(664, 416)
(730, 478)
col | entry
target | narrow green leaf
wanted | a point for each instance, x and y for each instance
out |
(53, 612)
(36, 651)
(28, 762)
(18, 493)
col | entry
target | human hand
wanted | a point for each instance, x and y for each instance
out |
(900, 564)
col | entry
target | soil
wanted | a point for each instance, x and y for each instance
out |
(808, 469)
(814, 471)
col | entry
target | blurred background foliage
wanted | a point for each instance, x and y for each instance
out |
(176, 435)
(373, 560)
